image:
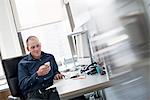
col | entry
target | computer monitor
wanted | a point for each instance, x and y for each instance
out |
(80, 47)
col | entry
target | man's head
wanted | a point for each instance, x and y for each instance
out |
(34, 46)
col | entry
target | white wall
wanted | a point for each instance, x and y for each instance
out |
(9, 44)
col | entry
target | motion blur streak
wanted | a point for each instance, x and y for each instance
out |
(119, 32)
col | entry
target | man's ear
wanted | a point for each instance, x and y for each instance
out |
(27, 48)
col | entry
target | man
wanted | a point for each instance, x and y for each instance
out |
(36, 72)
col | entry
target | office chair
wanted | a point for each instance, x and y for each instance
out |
(11, 72)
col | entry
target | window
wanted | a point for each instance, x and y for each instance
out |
(54, 40)
(46, 19)
(32, 13)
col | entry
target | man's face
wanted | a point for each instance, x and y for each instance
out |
(34, 47)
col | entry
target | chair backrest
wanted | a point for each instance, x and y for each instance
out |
(11, 71)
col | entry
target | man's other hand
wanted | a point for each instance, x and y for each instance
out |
(58, 76)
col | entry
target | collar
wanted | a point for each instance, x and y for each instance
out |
(30, 57)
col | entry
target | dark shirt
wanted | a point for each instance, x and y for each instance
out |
(29, 80)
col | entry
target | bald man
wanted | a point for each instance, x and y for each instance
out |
(36, 72)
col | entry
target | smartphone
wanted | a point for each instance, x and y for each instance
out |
(47, 64)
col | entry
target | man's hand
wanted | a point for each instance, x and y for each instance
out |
(58, 76)
(43, 70)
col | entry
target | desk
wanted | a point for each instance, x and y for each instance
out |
(69, 88)
(4, 92)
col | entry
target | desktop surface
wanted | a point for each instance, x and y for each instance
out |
(69, 88)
